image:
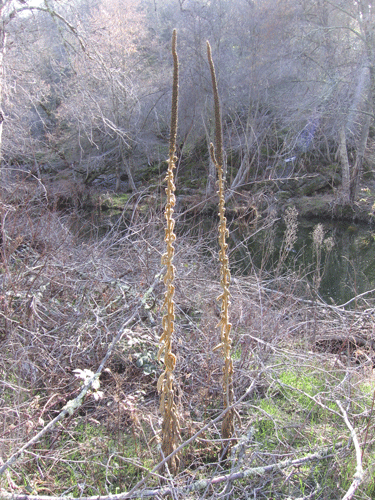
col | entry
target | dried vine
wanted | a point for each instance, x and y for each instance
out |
(227, 428)
(168, 408)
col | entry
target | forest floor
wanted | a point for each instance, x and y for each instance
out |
(303, 369)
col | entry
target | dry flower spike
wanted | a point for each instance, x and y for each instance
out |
(227, 428)
(168, 408)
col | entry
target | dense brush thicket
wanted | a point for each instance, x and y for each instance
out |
(83, 357)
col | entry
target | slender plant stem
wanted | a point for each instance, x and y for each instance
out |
(168, 408)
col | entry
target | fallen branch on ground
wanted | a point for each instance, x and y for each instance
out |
(71, 406)
(136, 491)
(359, 473)
(196, 486)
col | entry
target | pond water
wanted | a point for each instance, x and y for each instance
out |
(347, 270)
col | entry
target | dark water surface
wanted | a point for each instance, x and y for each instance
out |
(347, 270)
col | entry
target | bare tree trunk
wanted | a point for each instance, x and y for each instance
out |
(130, 175)
(343, 153)
(241, 175)
(125, 161)
(3, 40)
(118, 179)
(367, 25)
(357, 170)
(244, 170)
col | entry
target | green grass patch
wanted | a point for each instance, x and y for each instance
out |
(114, 201)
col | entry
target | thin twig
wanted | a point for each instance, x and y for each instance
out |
(72, 405)
(359, 473)
(198, 485)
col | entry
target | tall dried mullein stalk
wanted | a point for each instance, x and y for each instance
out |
(217, 155)
(168, 408)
